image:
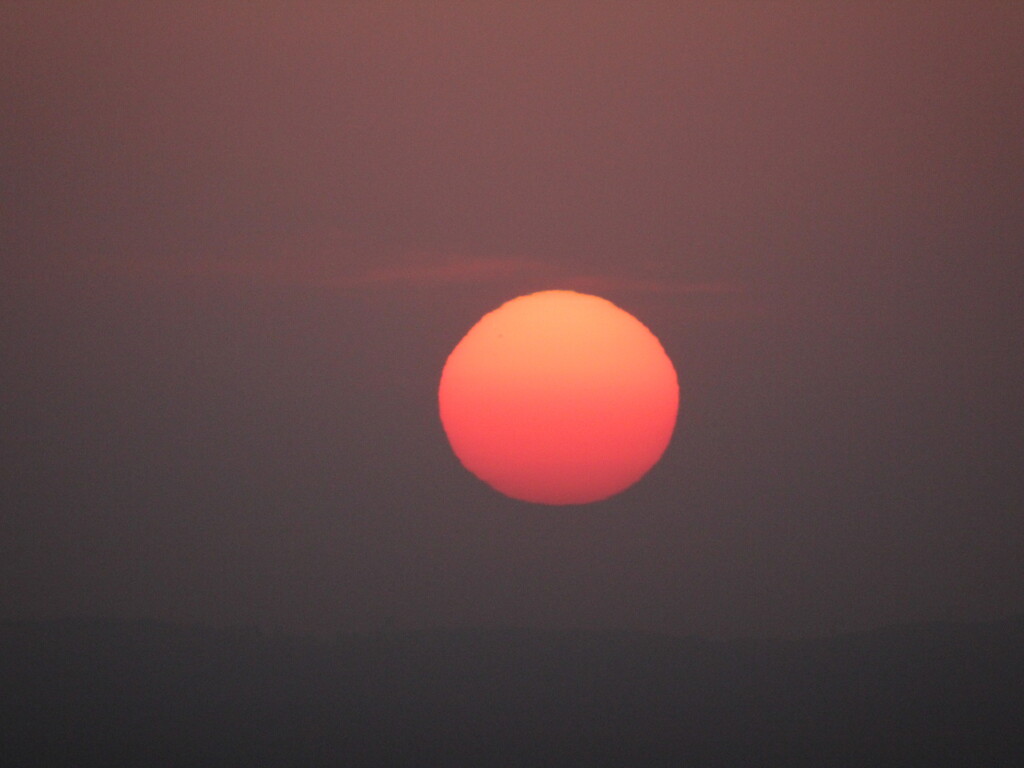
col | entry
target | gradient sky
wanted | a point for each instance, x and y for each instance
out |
(238, 241)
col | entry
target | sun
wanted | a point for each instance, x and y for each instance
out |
(559, 397)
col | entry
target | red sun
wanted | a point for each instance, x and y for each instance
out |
(559, 397)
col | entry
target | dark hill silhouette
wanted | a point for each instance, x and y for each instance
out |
(88, 693)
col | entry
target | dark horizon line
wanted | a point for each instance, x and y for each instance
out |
(385, 630)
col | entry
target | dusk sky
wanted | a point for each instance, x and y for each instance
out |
(239, 240)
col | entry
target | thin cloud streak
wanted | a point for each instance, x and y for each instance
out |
(447, 272)
(426, 273)
(657, 287)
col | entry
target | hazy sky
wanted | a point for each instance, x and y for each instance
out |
(238, 241)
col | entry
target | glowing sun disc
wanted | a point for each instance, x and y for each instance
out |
(559, 397)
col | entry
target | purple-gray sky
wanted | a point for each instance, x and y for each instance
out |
(238, 241)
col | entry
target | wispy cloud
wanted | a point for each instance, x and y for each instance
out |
(423, 270)
(483, 270)
(467, 270)
(666, 287)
